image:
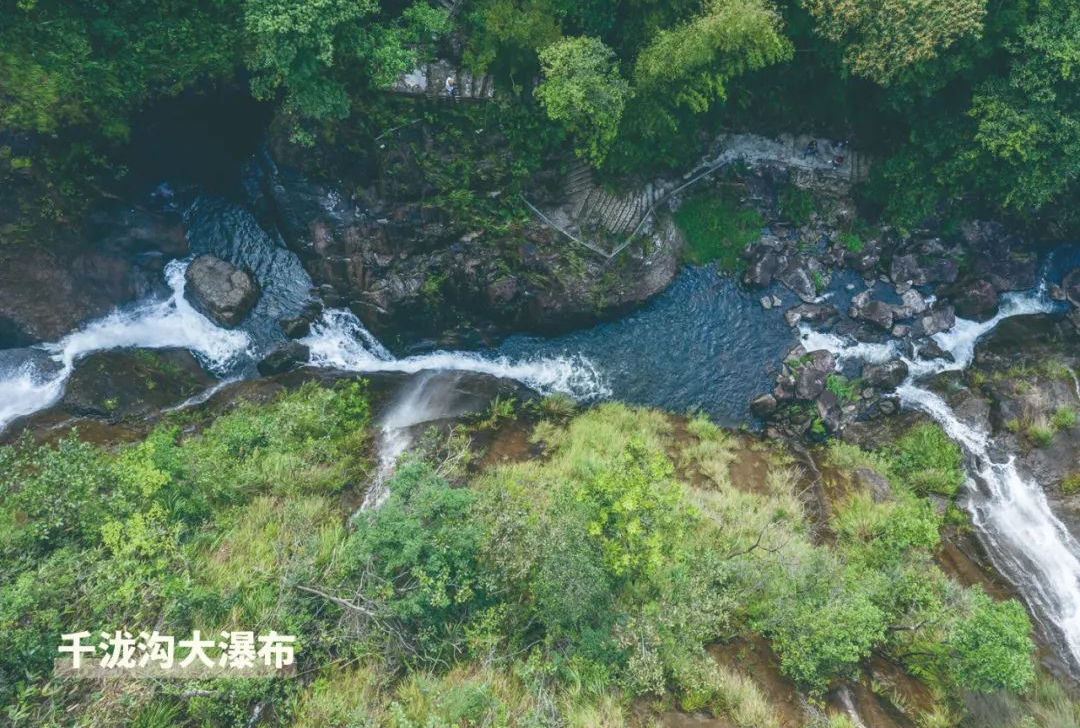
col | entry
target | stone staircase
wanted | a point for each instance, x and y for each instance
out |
(594, 209)
(429, 80)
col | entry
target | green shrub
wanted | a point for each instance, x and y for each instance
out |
(845, 391)
(718, 229)
(926, 459)
(1041, 435)
(1064, 418)
(1071, 484)
(851, 242)
(797, 205)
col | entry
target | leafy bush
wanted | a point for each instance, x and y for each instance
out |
(924, 458)
(718, 229)
(1064, 418)
(797, 205)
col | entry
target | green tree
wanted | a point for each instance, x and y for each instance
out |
(991, 646)
(1029, 119)
(583, 91)
(315, 50)
(635, 511)
(881, 39)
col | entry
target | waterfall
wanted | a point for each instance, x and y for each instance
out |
(1025, 540)
(37, 381)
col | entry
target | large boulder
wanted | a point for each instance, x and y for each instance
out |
(128, 384)
(864, 308)
(977, 299)
(939, 318)
(220, 291)
(284, 358)
(812, 372)
(760, 271)
(887, 376)
(72, 274)
(814, 313)
(1071, 285)
(906, 272)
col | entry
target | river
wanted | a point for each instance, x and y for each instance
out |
(703, 344)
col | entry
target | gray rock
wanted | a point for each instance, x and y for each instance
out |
(766, 302)
(887, 376)
(876, 312)
(830, 412)
(760, 271)
(874, 483)
(814, 313)
(812, 373)
(1071, 285)
(905, 269)
(914, 301)
(940, 318)
(796, 277)
(295, 327)
(284, 358)
(763, 405)
(977, 299)
(219, 290)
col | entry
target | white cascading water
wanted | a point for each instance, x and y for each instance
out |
(426, 398)
(1025, 540)
(338, 341)
(157, 324)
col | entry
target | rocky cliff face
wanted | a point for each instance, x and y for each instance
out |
(50, 286)
(410, 271)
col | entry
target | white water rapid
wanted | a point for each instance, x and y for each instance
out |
(38, 381)
(33, 380)
(1025, 540)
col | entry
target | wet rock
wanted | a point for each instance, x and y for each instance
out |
(1071, 285)
(766, 302)
(814, 313)
(901, 330)
(760, 271)
(887, 376)
(78, 273)
(828, 408)
(906, 272)
(1008, 270)
(863, 308)
(912, 301)
(977, 300)
(133, 383)
(796, 277)
(866, 259)
(1057, 293)
(927, 350)
(295, 327)
(940, 318)
(812, 372)
(220, 291)
(284, 358)
(763, 405)
(889, 406)
(941, 270)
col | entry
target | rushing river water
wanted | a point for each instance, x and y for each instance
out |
(704, 343)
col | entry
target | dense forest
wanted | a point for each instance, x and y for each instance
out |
(971, 104)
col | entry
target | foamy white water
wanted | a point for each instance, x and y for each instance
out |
(1026, 541)
(156, 324)
(340, 341)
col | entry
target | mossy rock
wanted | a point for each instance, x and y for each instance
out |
(133, 383)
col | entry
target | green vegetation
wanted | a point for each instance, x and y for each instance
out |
(797, 205)
(718, 229)
(845, 390)
(851, 241)
(925, 459)
(548, 591)
(969, 105)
